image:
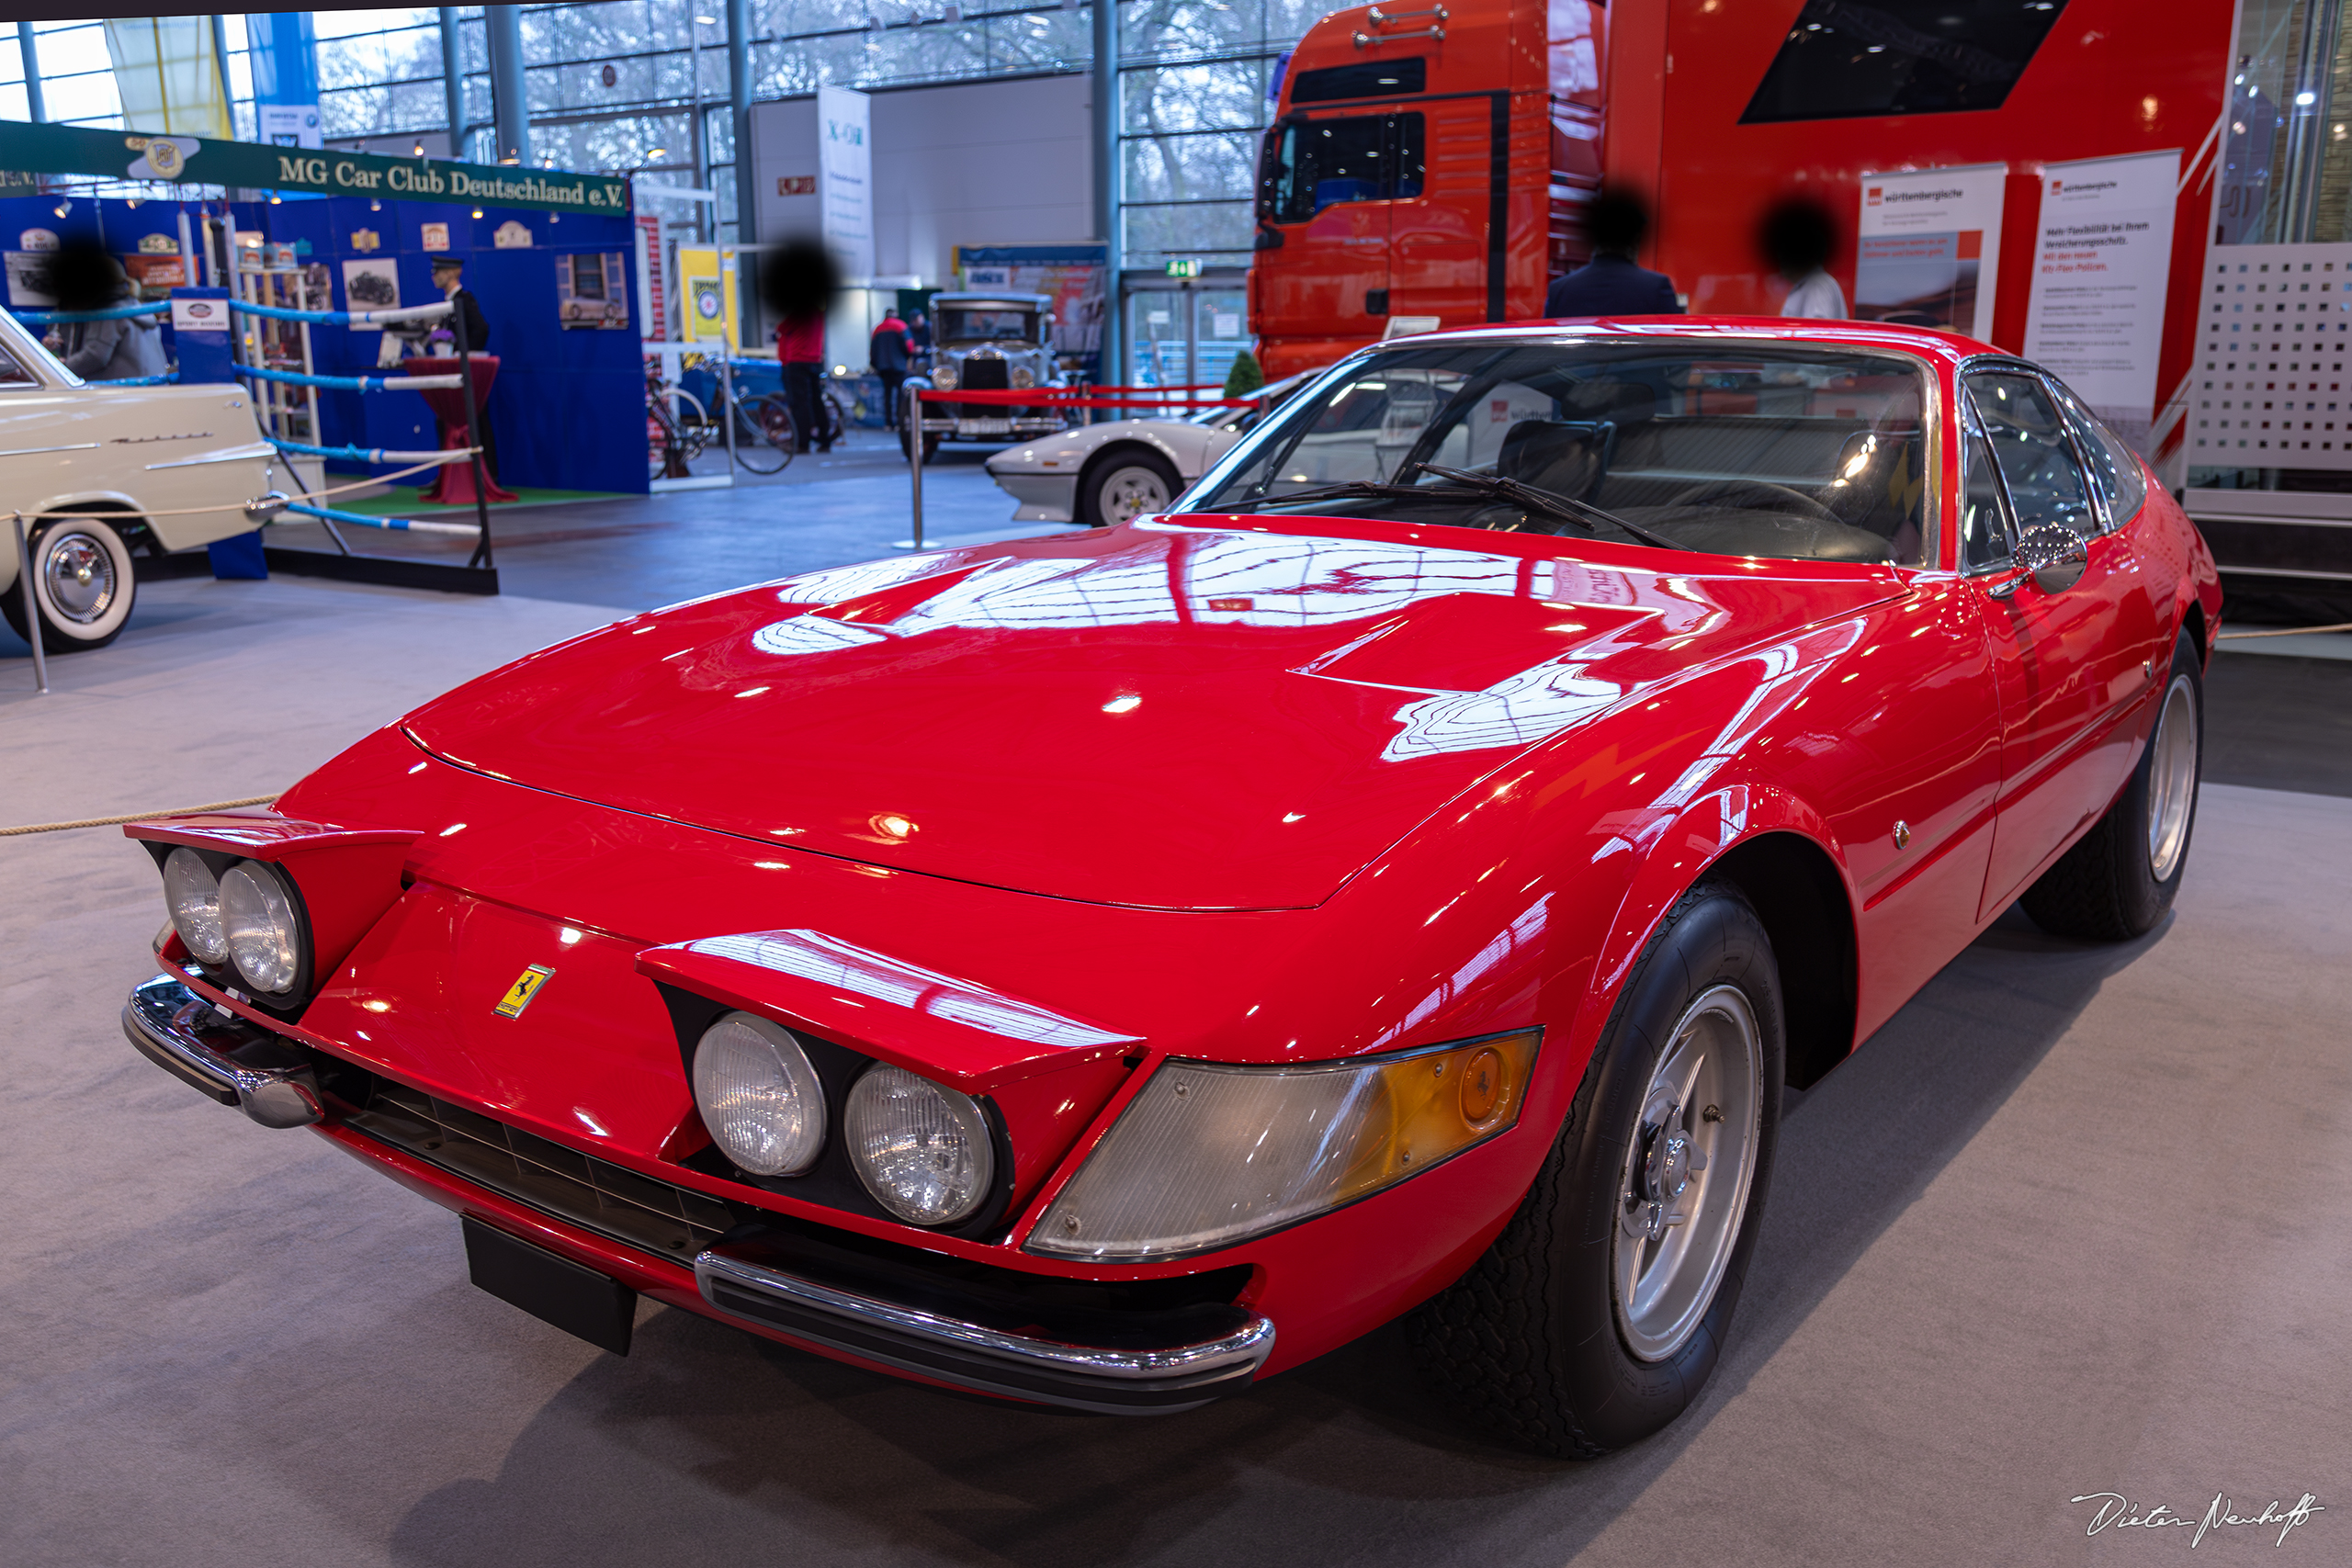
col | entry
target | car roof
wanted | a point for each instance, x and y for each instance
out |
(1927, 342)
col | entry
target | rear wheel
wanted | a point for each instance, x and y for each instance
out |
(1120, 486)
(82, 583)
(906, 447)
(763, 434)
(676, 440)
(2122, 877)
(1600, 1310)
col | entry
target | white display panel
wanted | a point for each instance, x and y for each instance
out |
(1929, 247)
(2102, 259)
(2274, 338)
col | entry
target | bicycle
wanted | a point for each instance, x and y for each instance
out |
(766, 436)
(677, 427)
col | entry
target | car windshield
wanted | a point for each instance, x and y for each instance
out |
(1789, 451)
(987, 323)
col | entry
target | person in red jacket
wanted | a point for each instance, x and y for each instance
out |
(800, 349)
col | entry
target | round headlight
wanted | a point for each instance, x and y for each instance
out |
(923, 1150)
(943, 377)
(1023, 377)
(264, 937)
(192, 894)
(759, 1096)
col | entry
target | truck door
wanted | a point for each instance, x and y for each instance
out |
(1443, 226)
(1340, 174)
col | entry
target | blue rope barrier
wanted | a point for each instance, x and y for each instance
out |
(375, 454)
(403, 524)
(114, 313)
(345, 318)
(352, 383)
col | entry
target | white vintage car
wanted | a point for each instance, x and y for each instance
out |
(1103, 474)
(138, 455)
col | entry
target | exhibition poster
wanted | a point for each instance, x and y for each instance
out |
(1929, 247)
(1071, 273)
(845, 179)
(2102, 258)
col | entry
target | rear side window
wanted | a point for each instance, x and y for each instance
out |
(1314, 164)
(13, 374)
(1983, 527)
(2029, 440)
(2114, 465)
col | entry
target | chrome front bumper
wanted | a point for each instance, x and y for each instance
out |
(236, 1063)
(1135, 1380)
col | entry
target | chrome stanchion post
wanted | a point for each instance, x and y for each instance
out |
(913, 418)
(726, 399)
(32, 602)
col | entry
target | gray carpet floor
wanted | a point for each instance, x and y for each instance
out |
(2078, 1221)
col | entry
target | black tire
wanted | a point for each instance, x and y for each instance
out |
(2110, 887)
(1111, 484)
(83, 582)
(764, 437)
(906, 449)
(1531, 1340)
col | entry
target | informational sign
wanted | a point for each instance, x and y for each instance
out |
(845, 179)
(1930, 244)
(1071, 273)
(115, 155)
(291, 125)
(199, 315)
(433, 236)
(2102, 257)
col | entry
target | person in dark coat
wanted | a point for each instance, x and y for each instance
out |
(800, 350)
(126, 348)
(449, 278)
(891, 353)
(1613, 284)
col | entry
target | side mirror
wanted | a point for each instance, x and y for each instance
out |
(2053, 556)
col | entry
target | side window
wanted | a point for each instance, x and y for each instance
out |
(2113, 463)
(1314, 163)
(13, 374)
(1984, 526)
(2028, 439)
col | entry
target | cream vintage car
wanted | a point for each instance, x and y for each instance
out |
(140, 457)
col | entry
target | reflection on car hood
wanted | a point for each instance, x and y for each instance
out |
(1177, 716)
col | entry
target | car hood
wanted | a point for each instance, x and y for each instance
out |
(1180, 714)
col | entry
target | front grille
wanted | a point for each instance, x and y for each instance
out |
(986, 375)
(652, 1216)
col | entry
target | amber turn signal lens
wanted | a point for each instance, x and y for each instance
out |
(1482, 1087)
(1440, 1104)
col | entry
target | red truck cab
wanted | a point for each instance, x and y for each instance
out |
(1423, 162)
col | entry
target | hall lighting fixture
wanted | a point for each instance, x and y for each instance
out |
(477, 211)
(2306, 99)
(420, 149)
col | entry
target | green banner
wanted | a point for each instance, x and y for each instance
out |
(28, 150)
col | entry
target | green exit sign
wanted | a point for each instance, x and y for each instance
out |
(1187, 268)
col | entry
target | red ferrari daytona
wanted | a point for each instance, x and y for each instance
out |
(1103, 970)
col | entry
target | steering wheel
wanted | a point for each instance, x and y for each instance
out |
(1714, 490)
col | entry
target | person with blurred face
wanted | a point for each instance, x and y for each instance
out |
(1797, 238)
(1613, 283)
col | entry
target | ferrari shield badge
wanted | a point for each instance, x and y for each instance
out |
(526, 985)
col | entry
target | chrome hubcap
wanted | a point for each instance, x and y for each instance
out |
(1688, 1169)
(2172, 780)
(1132, 492)
(77, 575)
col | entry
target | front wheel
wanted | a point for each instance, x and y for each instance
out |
(2122, 877)
(677, 427)
(1600, 1310)
(1125, 486)
(83, 585)
(906, 446)
(764, 437)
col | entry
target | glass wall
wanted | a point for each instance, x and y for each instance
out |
(629, 85)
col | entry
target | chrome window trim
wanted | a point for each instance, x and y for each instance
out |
(2060, 395)
(1972, 427)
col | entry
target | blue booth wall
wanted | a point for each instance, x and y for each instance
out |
(116, 224)
(568, 409)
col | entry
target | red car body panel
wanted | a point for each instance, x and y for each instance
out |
(1509, 754)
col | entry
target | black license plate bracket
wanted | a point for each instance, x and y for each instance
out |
(552, 1288)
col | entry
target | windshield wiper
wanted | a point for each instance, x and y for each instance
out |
(1583, 513)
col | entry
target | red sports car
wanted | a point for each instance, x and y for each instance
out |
(1103, 971)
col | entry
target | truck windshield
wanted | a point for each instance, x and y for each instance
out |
(1314, 163)
(987, 323)
(1795, 452)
